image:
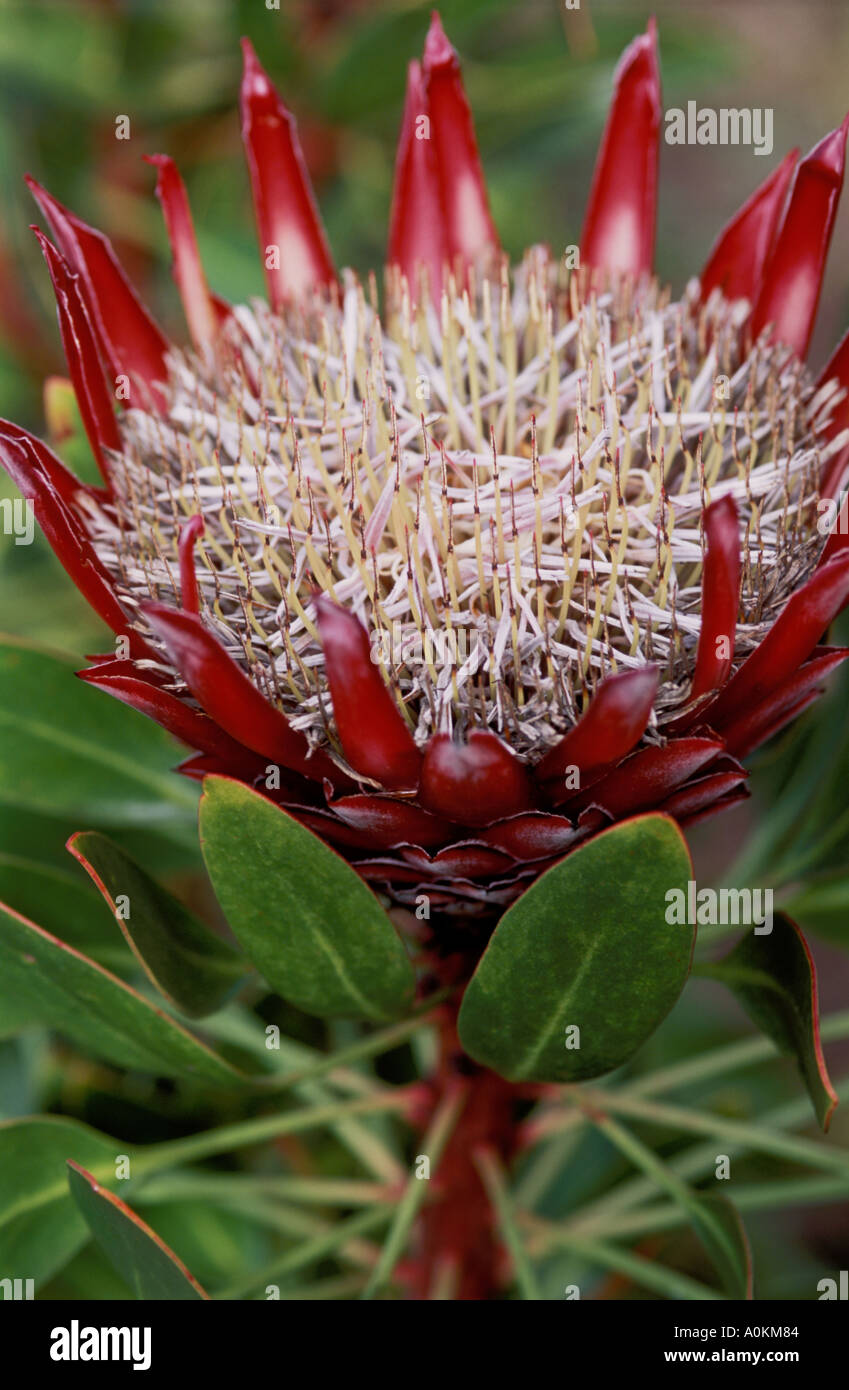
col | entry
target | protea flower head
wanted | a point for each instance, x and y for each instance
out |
(462, 568)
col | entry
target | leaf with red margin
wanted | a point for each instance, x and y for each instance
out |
(192, 967)
(40, 1228)
(144, 1261)
(587, 945)
(774, 978)
(63, 989)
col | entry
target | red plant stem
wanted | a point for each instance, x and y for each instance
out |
(457, 1246)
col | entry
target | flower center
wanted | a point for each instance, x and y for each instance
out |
(507, 490)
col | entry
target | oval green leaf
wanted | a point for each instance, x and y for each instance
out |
(193, 968)
(587, 946)
(301, 914)
(144, 1262)
(773, 977)
(65, 990)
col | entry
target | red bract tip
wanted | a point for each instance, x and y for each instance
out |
(752, 724)
(292, 241)
(720, 597)
(735, 265)
(374, 737)
(52, 491)
(612, 725)
(469, 229)
(417, 227)
(618, 234)
(476, 782)
(128, 339)
(188, 273)
(78, 341)
(125, 683)
(189, 597)
(792, 278)
(649, 776)
(789, 642)
(228, 696)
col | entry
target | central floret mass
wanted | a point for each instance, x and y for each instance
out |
(506, 488)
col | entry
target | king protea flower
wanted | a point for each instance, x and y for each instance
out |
(461, 577)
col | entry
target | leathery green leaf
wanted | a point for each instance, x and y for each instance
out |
(143, 1261)
(61, 988)
(187, 962)
(581, 970)
(305, 919)
(772, 975)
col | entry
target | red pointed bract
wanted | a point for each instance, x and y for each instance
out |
(720, 597)
(619, 226)
(789, 642)
(417, 234)
(610, 728)
(190, 726)
(649, 776)
(78, 340)
(288, 220)
(469, 229)
(129, 340)
(476, 782)
(375, 740)
(793, 274)
(752, 724)
(388, 821)
(198, 306)
(189, 533)
(228, 696)
(694, 799)
(51, 489)
(735, 265)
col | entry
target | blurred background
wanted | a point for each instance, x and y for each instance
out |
(538, 75)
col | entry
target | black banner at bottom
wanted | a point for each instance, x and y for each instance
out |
(56, 1340)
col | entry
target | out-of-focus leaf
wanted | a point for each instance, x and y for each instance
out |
(40, 1228)
(588, 948)
(302, 915)
(65, 749)
(188, 963)
(821, 904)
(62, 989)
(718, 1224)
(64, 906)
(773, 977)
(146, 1264)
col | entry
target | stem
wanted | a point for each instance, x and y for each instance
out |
(444, 1120)
(749, 1197)
(493, 1177)
(372, 1045)
(229, 1189)
(717, 1126)
(328, 1243)
(217, 1141)
(644, 1272)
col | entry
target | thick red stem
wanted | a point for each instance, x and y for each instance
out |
(457, 1248)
